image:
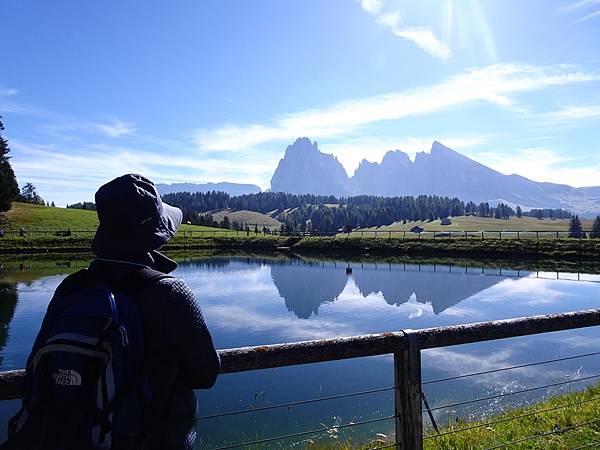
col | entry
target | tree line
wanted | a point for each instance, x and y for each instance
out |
(302, 212)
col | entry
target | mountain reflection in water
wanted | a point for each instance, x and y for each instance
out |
(309, 286)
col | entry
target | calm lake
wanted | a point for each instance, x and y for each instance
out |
(253, 300)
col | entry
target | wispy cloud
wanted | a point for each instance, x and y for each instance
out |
(424, 37)
(569, 114)
(115, 129)
(8, 92)
(585, 4)
(372, 6)
(589, 16)
(77, 165)
(542, 164)
(493, 84)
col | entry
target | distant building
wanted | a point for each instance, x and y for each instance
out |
(417, 229)
(446, 221)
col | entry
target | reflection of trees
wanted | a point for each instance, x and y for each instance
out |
(8, 303)
(305, 288)
(442, 288)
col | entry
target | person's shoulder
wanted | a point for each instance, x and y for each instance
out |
(174, 288)
(72, 282)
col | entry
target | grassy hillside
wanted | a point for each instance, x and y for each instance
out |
(249, 217)
(36, 218)
(469, 223)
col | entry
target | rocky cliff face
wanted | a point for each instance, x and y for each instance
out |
(305, 170)
(442, 171)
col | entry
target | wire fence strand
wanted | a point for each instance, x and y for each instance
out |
(549, 433)
(502, 369)
(521, 391)
(591, 444)
(509, 419)
(290, 404)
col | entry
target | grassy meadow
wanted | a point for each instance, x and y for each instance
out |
(38, 218)
(471, 223)
(248, 217)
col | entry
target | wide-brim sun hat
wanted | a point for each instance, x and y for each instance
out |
(133, 218)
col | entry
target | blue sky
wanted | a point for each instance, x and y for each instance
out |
(215, 90)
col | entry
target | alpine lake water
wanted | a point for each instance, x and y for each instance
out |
(266, 299)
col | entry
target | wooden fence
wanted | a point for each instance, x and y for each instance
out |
(405, 345)
(390, 234)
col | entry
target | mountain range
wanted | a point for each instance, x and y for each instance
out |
(229, 188)
(304, 169)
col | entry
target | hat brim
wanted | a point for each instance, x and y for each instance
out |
(108, 242)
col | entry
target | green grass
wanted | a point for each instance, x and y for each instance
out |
(248, 217)
(559, 416)
(555, 424)
(471, 223)
(37, 218)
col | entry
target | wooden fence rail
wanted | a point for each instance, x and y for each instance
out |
(405, 345)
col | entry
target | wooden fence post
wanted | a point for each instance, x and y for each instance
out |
(408, 412)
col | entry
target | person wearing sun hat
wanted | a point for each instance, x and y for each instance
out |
(123, 344)
(179, 354)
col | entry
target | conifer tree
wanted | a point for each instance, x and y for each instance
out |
(595, 234)
(575, 228)
(9, 189)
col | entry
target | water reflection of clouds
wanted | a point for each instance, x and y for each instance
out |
(218, 284)
(262, 325)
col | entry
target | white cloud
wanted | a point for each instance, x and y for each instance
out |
(542, 164)
(8, 92)
(115, 129)
(390, 20)
(588, 17)
(372, 6)
(570, 114)
(424, 37)
(79, 168)
(583, 3)
(493, 84)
